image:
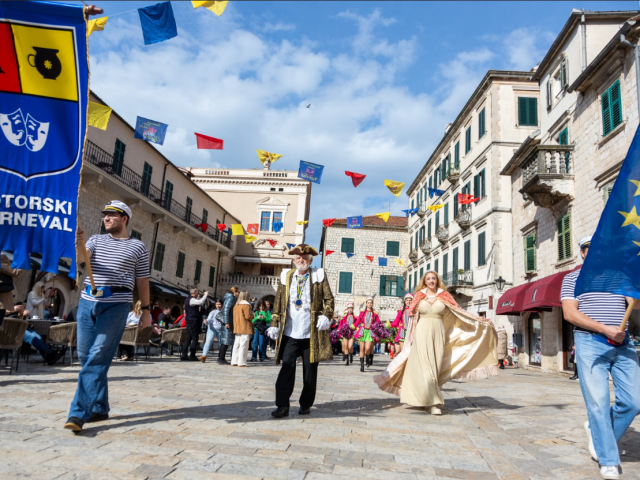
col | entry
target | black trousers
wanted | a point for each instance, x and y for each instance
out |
(193, 330)
(293, 349)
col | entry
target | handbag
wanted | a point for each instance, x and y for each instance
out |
(261, 327)
(6, 283)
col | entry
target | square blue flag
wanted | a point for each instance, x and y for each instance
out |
(158, 23)
(310, 171)
(150, 130)
(382, 261)
(354, 222)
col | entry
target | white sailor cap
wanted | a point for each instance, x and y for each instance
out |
(585, 242)
(118, 207)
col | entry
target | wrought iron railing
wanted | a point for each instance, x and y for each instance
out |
(106, 162)
(548, 159)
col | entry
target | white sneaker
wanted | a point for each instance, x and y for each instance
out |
(592, 449)
(609, 472)
(435, 411)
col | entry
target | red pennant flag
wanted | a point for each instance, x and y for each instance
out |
(466, 199)
(209, 142)
(201, 226)
(329, 252)
(369, 257)
(252, 229)
(221, 226)
(327, 222)
(273, 243)
(356, 178)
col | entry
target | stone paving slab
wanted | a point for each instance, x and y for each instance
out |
(177, 420)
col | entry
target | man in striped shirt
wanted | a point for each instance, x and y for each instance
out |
(119, 262)
(596, 317)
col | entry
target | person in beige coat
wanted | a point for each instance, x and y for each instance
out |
(502, 347)
(6, 282)
(242, 329)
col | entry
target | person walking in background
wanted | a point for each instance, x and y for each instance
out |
(363, 325)
(7, 274)
(36, 299)
(126, 351)
(346, 330)
(227, 337)
(242, 329)
(572, 359)
(400, 324)
(261, 322)
(503, 344)
(215, 325)
(193, 322)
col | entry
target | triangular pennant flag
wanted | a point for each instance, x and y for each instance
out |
(291, 246)
(277, 226)
(264, 156)
(466, 199)
(349, 255)
(399, 261)
(208, 143)
(216, 7)
(433, 208)
(249, 238)
(221, 226)
(369, 257)
(329, 252)
(411, 211)
(304, 222)
(237, 229)
(382, 261)
(158, 23)
(327, 222)
(394, 187)
(201, 226)
(98, 115)
(252, 228)
(356, 178)
(273, 243)
(96, 25)
(435, 191)
(384, 216)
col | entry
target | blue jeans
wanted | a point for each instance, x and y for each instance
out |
(100, 328)
(35, 340)
(259, 343)
(211, 334)
(377, 348)
(596, 361)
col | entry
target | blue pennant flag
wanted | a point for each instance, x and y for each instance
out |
(349, 255)
(310, 171)
(411, 211)
(150, 130)
(158, 23)
(40, 158)
(291, 246)
(276, 226)
(435, 191)
(354, 222)
(382, 261)
(613, 260)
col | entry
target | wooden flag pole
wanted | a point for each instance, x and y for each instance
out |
(85, 254)
(627, 314)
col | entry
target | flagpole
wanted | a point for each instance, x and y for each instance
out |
(627, 314)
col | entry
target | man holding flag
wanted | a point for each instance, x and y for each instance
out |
(598, 300)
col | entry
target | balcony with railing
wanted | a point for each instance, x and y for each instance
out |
(464, 218)
(426, 246)
(442, 234)
(458, 278)
(250, 280)
(453, 175)
(108, 164)
(413, 255)
(548, 175)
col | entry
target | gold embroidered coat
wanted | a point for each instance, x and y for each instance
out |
(321, 304)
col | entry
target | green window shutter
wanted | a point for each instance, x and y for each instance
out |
(435, 265)
(429, 229)
(606, 113)
(481, 250)
(455, 206)
(530, 253)
(159, 259)
(212, 275)
(383, 284)
(437, 220)
(606, 192)
(616, 105)
(533, 111)
(446, 213)
(187, 213)
(564, 237)
(205, 216)
(564, 79)
(118, 156)
(400, 287)
(147, 171)
(456, 161)
(467, 142)
(348, 245)
(198, 272)
(454, 267)
(180, 266)
(563, 137)
(476, 185)
(481, 124)
(527, 111)
(345, 283)
(445, 264)
(411, 244)
(393, 248)
(522, 111)
(483, 192)
(422, 271)
(467, 255)
(168, 194)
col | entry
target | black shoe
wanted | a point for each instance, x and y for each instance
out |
(193, 359)
(98, 417)
(371, 360)
(184, 359)
(261, 360)
(351, 358)
(74, 424)
(54, 356)
(344, 357)
(575, 377)
(304, 411)
(501, 367)
(361, 364)
(222, 362)
(280, 412)
(253, 359)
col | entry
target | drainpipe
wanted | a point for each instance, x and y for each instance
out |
(636, 55)
(583, 28)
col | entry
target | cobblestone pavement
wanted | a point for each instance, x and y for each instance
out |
(178, 420)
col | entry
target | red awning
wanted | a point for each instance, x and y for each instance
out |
(545, 293)
(512, 301)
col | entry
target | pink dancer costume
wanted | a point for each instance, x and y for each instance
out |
(363, 325)
(401, 323)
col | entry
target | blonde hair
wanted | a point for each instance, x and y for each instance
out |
(37, 289)
(137, 308)
(423, 283)
(244, 295)
(234, 289)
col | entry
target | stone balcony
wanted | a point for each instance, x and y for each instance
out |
(413, 255)
(257, 285)
(464, 218)
(422, 211)
(426, 246)
(443, 234)
(548, 175)
(453, 175)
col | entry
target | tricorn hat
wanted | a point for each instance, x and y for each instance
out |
(303, 249)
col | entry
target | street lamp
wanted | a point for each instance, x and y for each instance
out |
(500, 282)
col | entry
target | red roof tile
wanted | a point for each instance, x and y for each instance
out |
(373, 221)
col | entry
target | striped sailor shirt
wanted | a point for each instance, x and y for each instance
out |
(606, 308)
(116, 263)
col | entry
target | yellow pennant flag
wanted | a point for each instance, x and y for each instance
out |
(433, 208)
(264, 156)
(399, 261)
(98, 115)
(96, 25)
(249, 238)
(237, 229)
(384, 216)
(394, 187)
(304, 222)
(216, 7)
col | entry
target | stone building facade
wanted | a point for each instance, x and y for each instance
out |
(470, 246)
(562, 175)
(353, 277)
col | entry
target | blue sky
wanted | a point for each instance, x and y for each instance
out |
(383, 79)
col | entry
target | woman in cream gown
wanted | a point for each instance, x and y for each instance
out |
(443, 341)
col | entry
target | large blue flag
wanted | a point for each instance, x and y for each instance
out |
(158, 23)
(43, 117)
(150, 130)
(310, 171)
(435, 191)
(354, 222)
(613, 262)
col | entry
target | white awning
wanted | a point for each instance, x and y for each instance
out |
(267, 260)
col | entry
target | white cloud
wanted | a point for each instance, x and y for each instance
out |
(525, 47)
(279, 27)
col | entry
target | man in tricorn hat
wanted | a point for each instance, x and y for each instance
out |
(300, 320)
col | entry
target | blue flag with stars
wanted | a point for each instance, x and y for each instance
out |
(435, 191)
(613, 262)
